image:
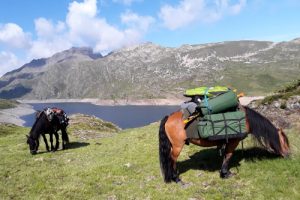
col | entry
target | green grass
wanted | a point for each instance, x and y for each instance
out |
(125, 166)
(261, 78)
(290, 89)
(4, 103)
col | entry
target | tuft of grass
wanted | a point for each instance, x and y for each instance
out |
(291, 87)
(126, 166)
(5, 104)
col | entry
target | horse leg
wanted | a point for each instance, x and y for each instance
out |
(176, 134)
(46, 142)
(229, 149)
(51, 141)
(171, 141)
(63, 144)
(37, 144)
(57, 140)
(175, 152)
(64, 136)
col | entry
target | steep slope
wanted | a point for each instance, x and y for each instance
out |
(18, 83)
(152, 71)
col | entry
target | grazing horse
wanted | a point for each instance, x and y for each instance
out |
(172, 137)
(48, 121)
(44, 124)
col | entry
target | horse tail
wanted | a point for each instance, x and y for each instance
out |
(165, 152)
(266, 133)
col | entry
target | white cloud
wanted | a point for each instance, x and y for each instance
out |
(126, 2)
(51, 38)
(83, 27)
(191, 11)
(236, 9)
(13, 36)
(86, 28)
(46, 29)
(137, 22)
(8, 62)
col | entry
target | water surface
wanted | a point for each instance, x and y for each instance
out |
(123, 116)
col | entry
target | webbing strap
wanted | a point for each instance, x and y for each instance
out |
(191, 118)
(226, 127)
(206, 101)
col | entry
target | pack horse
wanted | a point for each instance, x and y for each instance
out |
(214, 117)
(49, 121)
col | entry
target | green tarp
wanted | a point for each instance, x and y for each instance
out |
(223, 125)
(221, 103)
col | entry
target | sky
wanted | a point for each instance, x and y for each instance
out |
(32, 29)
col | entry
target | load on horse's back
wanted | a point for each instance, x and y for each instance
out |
(214, 117)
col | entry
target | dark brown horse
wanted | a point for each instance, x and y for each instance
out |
(172, 137)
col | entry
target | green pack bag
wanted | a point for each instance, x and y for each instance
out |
(221, 103)
(223, 126)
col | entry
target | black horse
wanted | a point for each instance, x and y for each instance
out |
(49, 122)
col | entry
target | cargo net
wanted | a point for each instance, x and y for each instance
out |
(217, 111)
(222, 126)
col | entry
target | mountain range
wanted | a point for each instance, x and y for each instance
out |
(148, 71)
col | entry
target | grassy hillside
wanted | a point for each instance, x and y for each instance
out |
(125, 166)
(291, 89)
(261, 78)
(4, 104)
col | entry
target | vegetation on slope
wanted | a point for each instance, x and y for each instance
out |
(125, 166)
(89, 127)
(291, 89)
(4, 103)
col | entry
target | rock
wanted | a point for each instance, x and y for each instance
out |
(276, 104)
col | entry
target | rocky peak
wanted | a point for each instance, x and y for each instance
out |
(296, 40)
(84, 53)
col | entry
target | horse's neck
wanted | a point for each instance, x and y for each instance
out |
(39, 126)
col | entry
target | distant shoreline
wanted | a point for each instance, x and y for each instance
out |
(123, 102)
(119, 102)
(13, 115)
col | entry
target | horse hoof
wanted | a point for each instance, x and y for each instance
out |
(227, 175)
(176, 180)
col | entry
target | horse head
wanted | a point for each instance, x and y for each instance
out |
(284, 142)
(40, 125)
(33, 144)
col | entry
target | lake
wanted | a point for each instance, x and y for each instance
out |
(123, 116)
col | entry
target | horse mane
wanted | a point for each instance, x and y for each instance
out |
(36, 125)
(264, 131)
